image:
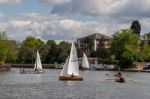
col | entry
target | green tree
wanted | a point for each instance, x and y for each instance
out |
(64, 48)
(146, 53)
(48, 51)
(51, 43)
(124, 46)
(136, 27)
(28, 49)
(7, 49)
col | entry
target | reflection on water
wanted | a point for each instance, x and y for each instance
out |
(96, 85)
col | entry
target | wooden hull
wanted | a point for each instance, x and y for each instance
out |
(67, 78)
(31, 72)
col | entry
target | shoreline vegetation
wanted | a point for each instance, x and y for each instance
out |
(58, 66)
(51, 66)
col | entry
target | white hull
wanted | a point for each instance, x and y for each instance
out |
(31, 72)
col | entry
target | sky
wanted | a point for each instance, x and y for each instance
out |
(70, 19)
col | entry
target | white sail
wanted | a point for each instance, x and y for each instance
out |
(65, 68)
(38, 64)
(73, 66)
(85, 63)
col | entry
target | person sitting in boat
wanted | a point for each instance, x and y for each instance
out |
(37, 69)
(72, 75)
(119, 77)
(118, 74)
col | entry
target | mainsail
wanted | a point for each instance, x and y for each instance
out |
(85, 63)
(73, 66)
(65, 68)
(38, 65)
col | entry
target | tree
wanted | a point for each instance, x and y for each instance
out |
(64, 51)
(136, 27)
(51, 43)
(3, 35)
(28, 49)
(124, 46)
(146, 53)
(148, 35)
(48, 50)
(7, 49)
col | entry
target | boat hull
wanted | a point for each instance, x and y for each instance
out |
(31, 72)
(67, 78)
(120, 80)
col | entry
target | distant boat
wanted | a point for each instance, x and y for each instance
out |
(70, 69)
(37, 67)
(85, 62)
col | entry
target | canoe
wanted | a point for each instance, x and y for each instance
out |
(74, 78)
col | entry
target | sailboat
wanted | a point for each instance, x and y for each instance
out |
(70, 69)
(37, 67)
(85, 63)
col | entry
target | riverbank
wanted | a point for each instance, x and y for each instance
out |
(52, 66)
(58, 66)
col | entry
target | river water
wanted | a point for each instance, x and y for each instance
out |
(96, 85)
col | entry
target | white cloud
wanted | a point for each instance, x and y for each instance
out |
(47, 26)
(70, 24)
(10, 2)
(104, 16)
(112, 8)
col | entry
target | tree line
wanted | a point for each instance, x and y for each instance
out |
(50, 52)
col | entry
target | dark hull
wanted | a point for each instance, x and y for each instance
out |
(120, 80)
(67, 78)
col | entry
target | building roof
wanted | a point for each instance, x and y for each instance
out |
(96, 36)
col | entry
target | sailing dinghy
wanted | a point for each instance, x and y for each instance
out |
(70, 69)
(37, 67)
(85, 63)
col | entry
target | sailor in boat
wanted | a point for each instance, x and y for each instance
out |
(119, 77)
(72, 75)
(118, 74)
(38, 69)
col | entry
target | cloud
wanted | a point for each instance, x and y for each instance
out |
(8, 2)
(112, 8)
(54, 2)
(53, 26)
(48, 26)
(71, 19)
